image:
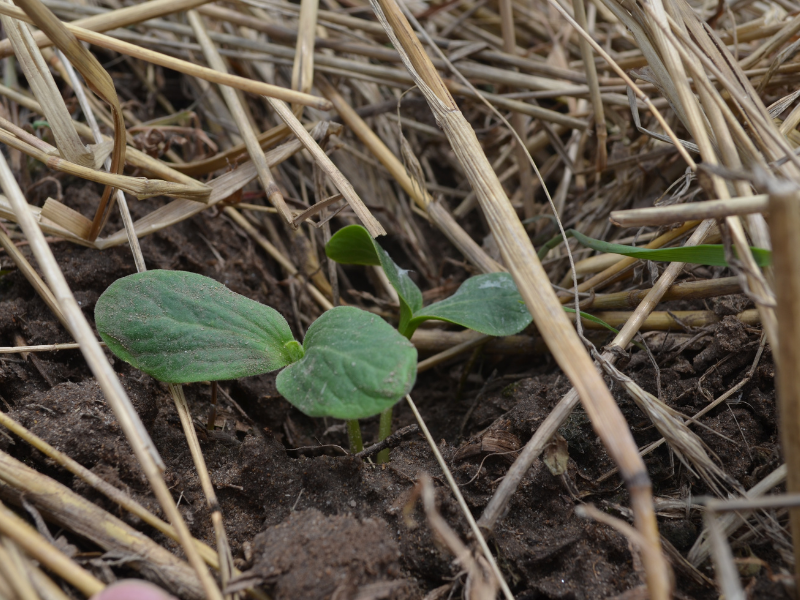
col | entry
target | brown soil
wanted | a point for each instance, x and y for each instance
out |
(314, 523)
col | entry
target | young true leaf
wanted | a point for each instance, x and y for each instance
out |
(707, 254)
(353, 245)
(488, 304)
(181, 327)
(355, 366)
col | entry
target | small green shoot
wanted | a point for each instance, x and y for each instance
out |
(712, 255)
(489, 304)
(181, 327)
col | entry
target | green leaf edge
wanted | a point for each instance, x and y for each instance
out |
(358, 238)
(294, 351)
(279, 382)
(416, 321)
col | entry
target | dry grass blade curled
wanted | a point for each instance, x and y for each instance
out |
(98, 80)
(46, 92)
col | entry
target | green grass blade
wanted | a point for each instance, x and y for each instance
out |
(707, 254)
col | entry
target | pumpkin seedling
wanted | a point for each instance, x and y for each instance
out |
(181, 327)
(489, 304)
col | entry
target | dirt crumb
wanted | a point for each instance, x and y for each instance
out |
(311, 556)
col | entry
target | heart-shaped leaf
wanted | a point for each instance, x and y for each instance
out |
(355, 366)
(489, 304)
(353, 245)
(181, 327)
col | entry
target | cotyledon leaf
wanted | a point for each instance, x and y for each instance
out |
(489, 304)
(353, 245)
(182, 327)
(356, 365)
(705, 254)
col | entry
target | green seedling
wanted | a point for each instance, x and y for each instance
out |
(181, 327)
(712, 255)
(489, 304)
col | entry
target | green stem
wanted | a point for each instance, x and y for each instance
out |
(354, 436)
(384, 431)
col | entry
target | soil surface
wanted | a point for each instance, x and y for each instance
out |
(308, 521)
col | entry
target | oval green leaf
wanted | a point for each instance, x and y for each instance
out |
(353, 245)
(182, 327)
(355, 366)
(712, 255)
(489, 304)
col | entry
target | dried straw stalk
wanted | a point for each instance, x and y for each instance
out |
(680, 213)
(246, 85)
(74, 512)
(535, 288)
(35, 546)
(518, 120)
(97, 78)
(254, 149)
(784, 226)
(129, 421)
(303, 68)
(122, 17)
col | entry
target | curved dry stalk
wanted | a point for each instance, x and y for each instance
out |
(182, 66)
(97, 79)
(129, 420)
(67, 509)
(35, 546)
(234, 103)
(534, 286)
(122, 202)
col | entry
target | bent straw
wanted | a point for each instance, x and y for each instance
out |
(438, 214)
(246, 85)
(535, 288)
(77, 514)
(97, 78)
(120, 403)
(114, 19)
(35, 546)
